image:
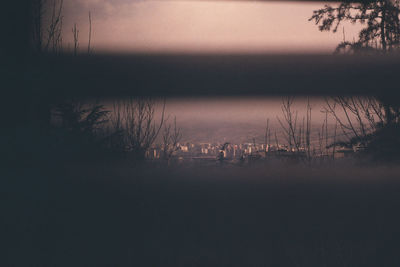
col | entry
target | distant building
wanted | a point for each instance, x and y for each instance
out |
(184, 148)
(343, 152)
(359, 147)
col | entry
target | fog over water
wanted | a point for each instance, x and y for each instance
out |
(237, 119)
(238, 109)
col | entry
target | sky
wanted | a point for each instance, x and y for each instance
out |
(205, 26)
(190, 26)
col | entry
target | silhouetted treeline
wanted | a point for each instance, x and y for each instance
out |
(380, 34)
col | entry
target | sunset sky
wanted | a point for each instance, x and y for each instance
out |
(200, 26)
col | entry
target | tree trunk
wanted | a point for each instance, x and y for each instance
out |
(383, 21)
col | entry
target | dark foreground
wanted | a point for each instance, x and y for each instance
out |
(120, 215)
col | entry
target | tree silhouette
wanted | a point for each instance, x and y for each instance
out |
(170, 140)
(381, 34)
(134, 121)
(382, 30)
